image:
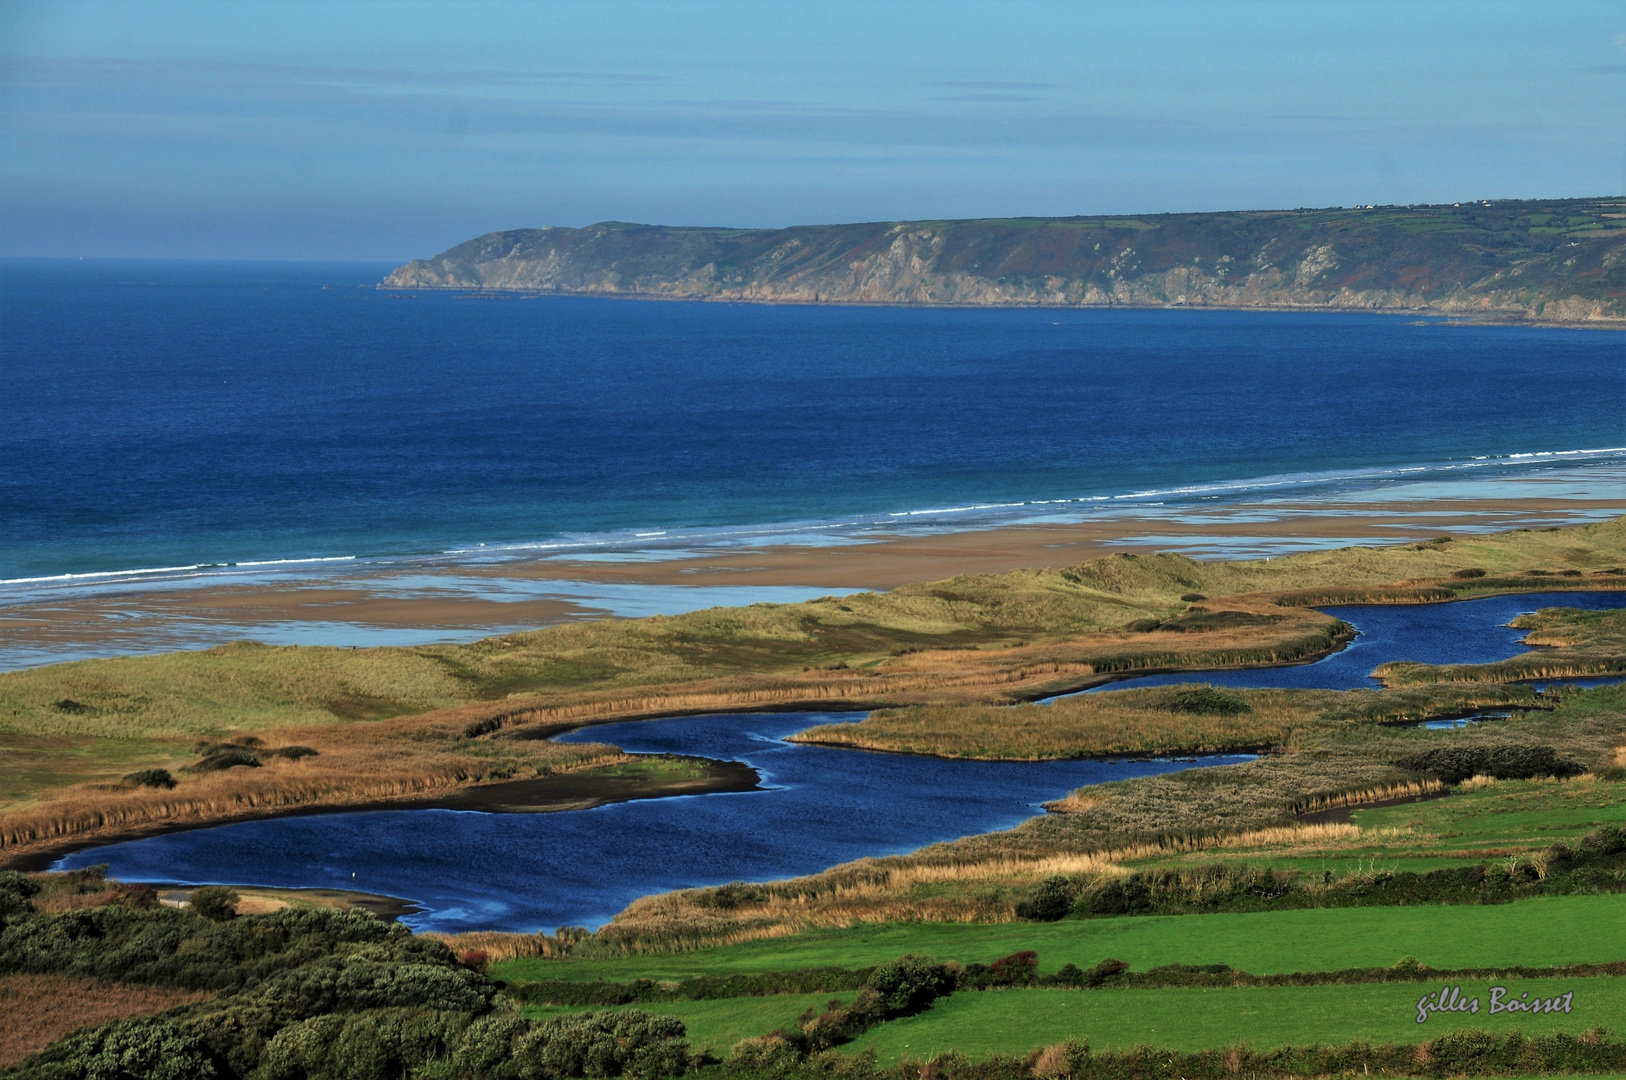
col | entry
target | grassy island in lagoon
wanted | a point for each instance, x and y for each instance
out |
(1253, 905)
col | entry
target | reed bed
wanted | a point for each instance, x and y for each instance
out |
(347, 770)
(1148, 721)
(497, 946)
(1404, 789)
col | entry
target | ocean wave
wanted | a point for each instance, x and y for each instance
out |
(971, 514)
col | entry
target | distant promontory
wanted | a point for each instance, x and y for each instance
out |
(1561, 260)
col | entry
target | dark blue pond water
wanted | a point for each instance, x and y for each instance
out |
(1465, 632)
(525, 872)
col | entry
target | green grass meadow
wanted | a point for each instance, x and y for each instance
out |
(1016, 1021)
(1541, 932)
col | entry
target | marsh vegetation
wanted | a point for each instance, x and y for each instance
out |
(398, 723)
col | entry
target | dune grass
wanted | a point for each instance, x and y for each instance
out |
(246, 686)
(1017, 1021)
(1539, 932)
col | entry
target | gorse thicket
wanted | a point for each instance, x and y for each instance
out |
(310, 994)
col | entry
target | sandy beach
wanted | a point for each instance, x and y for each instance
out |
(426, 600)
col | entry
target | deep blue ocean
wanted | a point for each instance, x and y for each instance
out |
(159, 414)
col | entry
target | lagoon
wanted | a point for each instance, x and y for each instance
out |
(468, 870)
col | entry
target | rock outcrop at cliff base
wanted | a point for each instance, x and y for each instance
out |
(1549, 261)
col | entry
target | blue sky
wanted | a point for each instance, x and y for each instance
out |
(389, 131)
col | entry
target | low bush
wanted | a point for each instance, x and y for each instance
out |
(154, 778)
(1208, 701)
(703, 988)
(1051, 900)
(216, 903)
(1454, 764)
(1596, 863)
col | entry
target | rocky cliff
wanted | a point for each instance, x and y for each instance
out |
(1553, 261)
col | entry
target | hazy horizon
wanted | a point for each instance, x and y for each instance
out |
(384, 132)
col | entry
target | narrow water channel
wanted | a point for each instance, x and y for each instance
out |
(1462, 632)
(469, 870)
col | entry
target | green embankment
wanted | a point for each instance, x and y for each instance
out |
(1540, 932)
(1016, 1021)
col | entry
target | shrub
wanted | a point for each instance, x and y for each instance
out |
(1193, 597)
(1609, 840)
(143, 1048)
(1469, 574)
(1052, 900)
(156, 778)
(1208, 701)
(1017, 969)
(1454, 764)
(215, 902)
(603, 1044)
(220, 758)
(1118, 896)
(909, 984)
(16, 895)
(1105, 972)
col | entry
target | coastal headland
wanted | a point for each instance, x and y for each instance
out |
(1557, 261)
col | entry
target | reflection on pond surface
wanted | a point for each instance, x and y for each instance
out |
(818, 806)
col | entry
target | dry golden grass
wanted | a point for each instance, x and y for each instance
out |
(37, 1010)
(1404, 789)
(499, 946)
(872, 891)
